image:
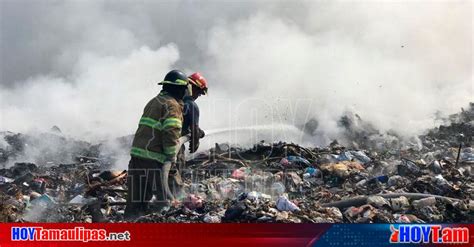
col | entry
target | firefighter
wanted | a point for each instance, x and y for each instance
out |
(197, 87)
(154, 146)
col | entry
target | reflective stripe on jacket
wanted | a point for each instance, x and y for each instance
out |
(159, 129)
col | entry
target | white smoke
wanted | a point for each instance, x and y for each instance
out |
(103, 98)
(394, 63)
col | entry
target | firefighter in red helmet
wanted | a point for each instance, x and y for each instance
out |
(197, 87)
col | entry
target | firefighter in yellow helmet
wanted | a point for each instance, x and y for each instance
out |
(155, 146)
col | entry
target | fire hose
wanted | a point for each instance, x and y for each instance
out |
(167, 167)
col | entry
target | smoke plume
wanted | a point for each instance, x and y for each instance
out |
(90, 66)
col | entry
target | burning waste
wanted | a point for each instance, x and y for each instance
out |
(375, 177)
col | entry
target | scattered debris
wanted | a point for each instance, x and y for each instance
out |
(375, 179)
(283, 204)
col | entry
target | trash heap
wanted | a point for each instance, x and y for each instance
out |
(75, 192)
(430, 181)
(287, 183)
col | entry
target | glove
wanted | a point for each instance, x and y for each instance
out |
(201, 133)
(193, 145)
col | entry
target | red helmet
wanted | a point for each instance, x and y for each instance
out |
(199, 81)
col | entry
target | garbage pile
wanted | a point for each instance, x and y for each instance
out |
(63, 193)
(429, 182)
(292, 184)
(43, 148)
